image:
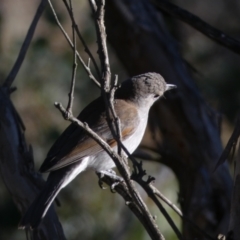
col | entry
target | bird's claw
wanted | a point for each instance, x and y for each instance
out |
(112, 188)
(100, 184)
(111, 174)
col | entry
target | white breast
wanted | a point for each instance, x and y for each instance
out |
(102, 161)
(132, 142)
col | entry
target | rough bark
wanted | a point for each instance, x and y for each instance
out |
(17, 168)
(190, 140)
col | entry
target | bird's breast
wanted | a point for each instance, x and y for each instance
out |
(132, 142)
(103, 161)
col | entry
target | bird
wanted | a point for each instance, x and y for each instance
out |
(74, 151)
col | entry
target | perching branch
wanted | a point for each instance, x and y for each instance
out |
(117, 159)
(117, 122)
(106, 91)
(106, 81)
(121, 188)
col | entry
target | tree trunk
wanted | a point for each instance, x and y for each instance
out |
(17, 169)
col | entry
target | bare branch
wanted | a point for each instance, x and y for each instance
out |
(106, 88)
(107, 91)
(71, 93)
(152, 229)
(120, 163)
(178, 211)
(108, 95)
(86, 68)
(230, 145)
(138, 177)
(121, 188)
(195, 22)
(13, 73)
(98, 12)
(87, 50)
(117, 121)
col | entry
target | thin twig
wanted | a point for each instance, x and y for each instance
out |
(117, 120)
(151, 190)
(86, 68)
(166, 200)
(195, 22)
(167, 217)
(88, 130)
(138, 177)
(71, 93)
(98, 12)
(86, 48)
(13, 73)
(178, 211)
(107, 91)
(230, 145)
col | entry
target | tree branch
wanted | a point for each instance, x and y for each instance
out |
(121, 163)
(87, 50)
(232, 142)
(146, 186)
(197, 23)
(85, 66)
(16, 158)
(17, 169)
(98, 12)
(13, 73)
(71, 93)
(108, 94)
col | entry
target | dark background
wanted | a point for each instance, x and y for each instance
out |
(44, 78)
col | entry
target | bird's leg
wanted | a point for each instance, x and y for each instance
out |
(110, 173)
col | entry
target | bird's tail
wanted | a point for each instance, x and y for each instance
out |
(56, 181)
(40, 205)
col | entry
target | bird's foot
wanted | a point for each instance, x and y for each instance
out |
(112, 174)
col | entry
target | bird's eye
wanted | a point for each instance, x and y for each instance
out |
(156, 96)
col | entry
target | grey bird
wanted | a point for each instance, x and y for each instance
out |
(74, 151)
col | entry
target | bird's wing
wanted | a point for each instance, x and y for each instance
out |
(74, 144)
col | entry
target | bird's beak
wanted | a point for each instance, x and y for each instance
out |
(170, 86)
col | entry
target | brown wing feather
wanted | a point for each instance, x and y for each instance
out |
(74, 144)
